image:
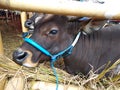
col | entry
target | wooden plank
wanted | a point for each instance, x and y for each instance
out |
(65, 7)
(15, 83)
(1, 45)
(23, 17)
(39, 85)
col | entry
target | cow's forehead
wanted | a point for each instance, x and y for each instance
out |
(50, 18)
(43, 18)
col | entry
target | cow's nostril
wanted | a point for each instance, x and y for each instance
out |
(28, 23)
(19, 56)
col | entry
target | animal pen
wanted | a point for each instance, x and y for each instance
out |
(14, 77)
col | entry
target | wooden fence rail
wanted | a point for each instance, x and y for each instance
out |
(65, 7)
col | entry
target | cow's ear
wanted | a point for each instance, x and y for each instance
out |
(39, 16)
(47, 16)
(86, 25)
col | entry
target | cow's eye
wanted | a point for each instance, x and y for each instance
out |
(53, 31)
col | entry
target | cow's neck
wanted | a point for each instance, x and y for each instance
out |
(94, 50)
(80, 58)
(71, 60)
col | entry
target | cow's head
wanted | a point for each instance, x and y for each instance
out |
(53, 32)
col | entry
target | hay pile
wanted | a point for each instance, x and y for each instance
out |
(15, 77)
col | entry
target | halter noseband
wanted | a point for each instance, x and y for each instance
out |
(54, 57)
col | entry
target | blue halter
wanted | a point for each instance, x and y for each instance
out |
(54, 57)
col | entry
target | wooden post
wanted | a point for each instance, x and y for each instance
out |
(23, 19)
(1, 44)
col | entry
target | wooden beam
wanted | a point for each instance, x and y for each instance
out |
(1, 45)
(23, 17)
(39, 85)
(66, 7)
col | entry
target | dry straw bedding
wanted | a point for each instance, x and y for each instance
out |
(8, 69)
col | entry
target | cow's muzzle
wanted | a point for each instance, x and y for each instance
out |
(23, 57)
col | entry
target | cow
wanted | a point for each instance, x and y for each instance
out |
(55, 33)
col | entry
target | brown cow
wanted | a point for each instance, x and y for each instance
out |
(55, 33)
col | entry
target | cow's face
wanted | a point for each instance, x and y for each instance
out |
(50, 32)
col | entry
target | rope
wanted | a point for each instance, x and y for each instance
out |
(55, 73)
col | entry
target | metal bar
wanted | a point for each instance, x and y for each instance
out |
(65, 7)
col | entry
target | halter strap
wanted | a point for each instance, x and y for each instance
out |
(54, 57)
